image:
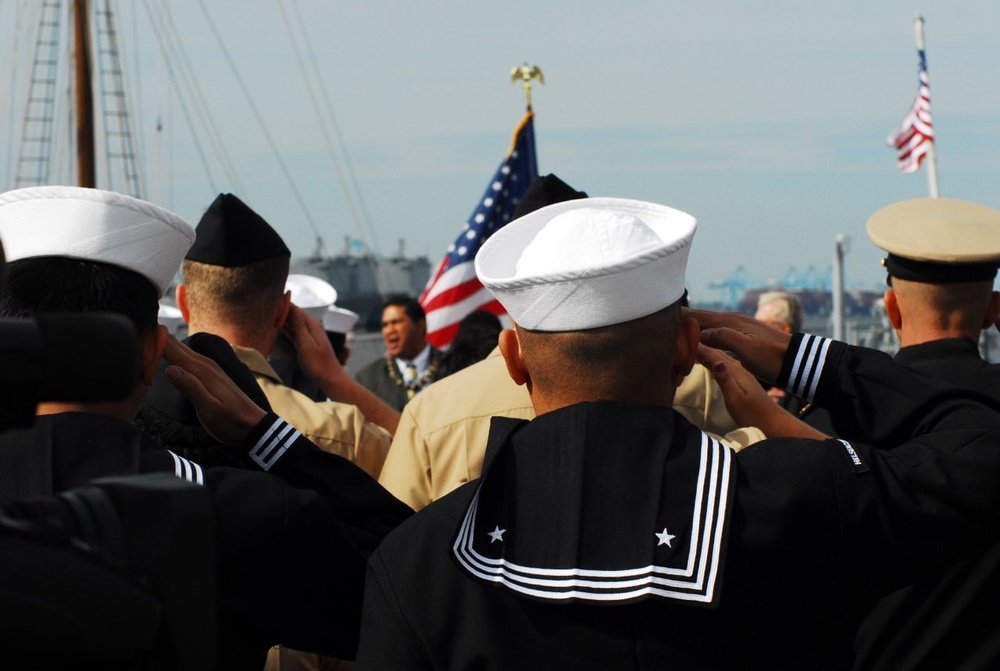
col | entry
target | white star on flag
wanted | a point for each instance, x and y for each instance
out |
(496, 534)
(665, 538)
(454, 290)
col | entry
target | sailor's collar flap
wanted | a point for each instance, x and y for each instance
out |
(601, 502)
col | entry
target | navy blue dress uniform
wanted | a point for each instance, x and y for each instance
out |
(949, 619)
(616, 536)
(117, 576)
(954, 360)
(288, 545)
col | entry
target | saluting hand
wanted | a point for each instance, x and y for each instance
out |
(761, 348)
(748, 402)
(313, 349)
(223, 409)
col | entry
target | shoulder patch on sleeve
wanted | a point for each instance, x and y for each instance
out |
(856, 462)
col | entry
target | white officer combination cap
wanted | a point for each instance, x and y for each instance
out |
(312, 294)
(938, 240)
(95, 225)
(339, 320)
(587, 263)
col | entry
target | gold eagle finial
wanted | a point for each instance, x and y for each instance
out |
(526, 73)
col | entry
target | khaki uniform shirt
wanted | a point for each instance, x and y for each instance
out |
(441, 439)
(339, 428)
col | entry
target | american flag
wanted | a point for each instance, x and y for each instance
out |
(915, 135)
(454, 290)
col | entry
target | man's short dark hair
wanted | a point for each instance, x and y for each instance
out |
(410, 306)
(59, 284)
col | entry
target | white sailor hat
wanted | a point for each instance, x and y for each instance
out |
(938, 240)
(588, 263)
(312, 294)
(339, 320)
(95, 225)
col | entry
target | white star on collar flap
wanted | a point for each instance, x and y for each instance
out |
(589, 509)
(664, 538)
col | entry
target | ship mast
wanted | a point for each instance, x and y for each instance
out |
(85, 159)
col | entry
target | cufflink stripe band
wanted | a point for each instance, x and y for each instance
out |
(273, 444)
(807, 367)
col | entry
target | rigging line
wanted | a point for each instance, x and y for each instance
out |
(366, 218)
(203, 110)
(319, 117)
(352, 206)
(159, 31)
(371, 241)
(137, 97)
(183, 104)
(260, 121)
(113, 65)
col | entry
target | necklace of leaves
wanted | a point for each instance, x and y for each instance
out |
(416, 385)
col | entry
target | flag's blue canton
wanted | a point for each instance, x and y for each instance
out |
(497, 205)
(454, 290)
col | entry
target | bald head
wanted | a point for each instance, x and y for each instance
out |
(924, 312)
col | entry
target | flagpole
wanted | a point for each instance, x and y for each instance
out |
(931, 158)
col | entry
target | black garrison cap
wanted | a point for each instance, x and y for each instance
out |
(230, 234)
(547, 190)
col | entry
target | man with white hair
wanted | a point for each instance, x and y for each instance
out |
(609, 532)
(783, 311)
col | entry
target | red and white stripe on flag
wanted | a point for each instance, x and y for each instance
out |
(916, 133)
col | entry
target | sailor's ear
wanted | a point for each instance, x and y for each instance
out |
(282, 309)
(993, 312)
(510, 348)
(892, 309)
(181, 296)
(686, 348)
(151, 348)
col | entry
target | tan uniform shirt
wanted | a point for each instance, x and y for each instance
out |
(339, 428)
(441, 439)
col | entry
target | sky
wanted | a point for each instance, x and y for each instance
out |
(767, 120)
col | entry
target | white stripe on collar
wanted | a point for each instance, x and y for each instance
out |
(694, 582)
(185, 469)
